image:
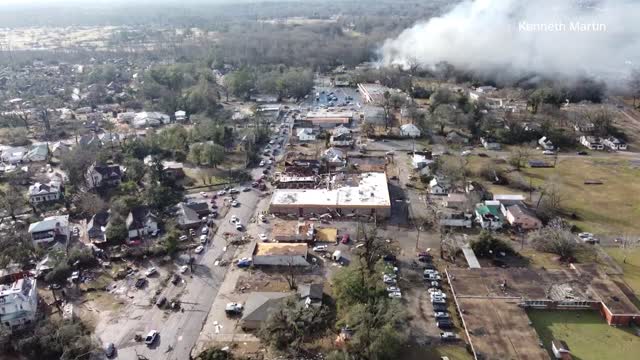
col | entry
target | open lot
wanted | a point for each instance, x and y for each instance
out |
(605, 209)
(630, 268)
(586, 333)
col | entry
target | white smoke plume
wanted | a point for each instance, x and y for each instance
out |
(511, 38)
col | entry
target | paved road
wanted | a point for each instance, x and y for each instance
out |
(179, 331)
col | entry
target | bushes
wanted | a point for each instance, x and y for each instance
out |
(488, 246)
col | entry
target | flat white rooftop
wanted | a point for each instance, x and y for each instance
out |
(330, 114)
(372, 190)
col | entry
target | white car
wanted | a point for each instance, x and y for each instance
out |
(150, 271)
(388, 280)
(320, 248)
(183, 238)
(263, 237)
(438, 295)
(205, 230)
(269, 162)
(238, 226)
(441, 315)
(203, 239)
(434, 290)
(233, 308)
(395, 295)
(199, 249)
(261, 163)
(262, 218)
(393, 289)
(234, 191)
(221, 192)
(183, 269)
(466, 153)
(151, 337)
(235, 203)
(234, 219)
(548, 152)
(203, 194)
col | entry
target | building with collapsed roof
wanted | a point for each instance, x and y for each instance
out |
(346, 195)
(280, 254)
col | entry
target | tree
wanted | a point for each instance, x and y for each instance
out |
(634, 85)
(57, 340)
(602, 122)
(555, 238)
(135, 169)
(545, 95)
(627, 245)
(89, 204)
(170, 241)
(76, 162)
(292, 324)
(12, 200)
(117, 229)
(373, 249)
(487, 246)
(518, 157)
(386, 107)
(215, 354)
(442, 116)
(550, 201)
(442, 96)
(240, 82)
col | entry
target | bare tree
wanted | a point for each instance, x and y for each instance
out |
(12, 201)
(627, 245)
(518, 157)
(550, 201)
(291, 274)
(556, 239)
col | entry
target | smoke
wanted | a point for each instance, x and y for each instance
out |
(512, 38)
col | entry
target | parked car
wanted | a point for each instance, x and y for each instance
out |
(205, 230)
(233, 308)
(263, 237)
(234, 219)
(395, 295)
(176, 279)
(234, 191)
(245, 189)
(109, 350)
(262, 218)
(221, 192)
(434, 284)
(151, 337)
(140, 283)
(393, 289)
(438, 301)
(238, 226)
(235, 203)
(548, 152)
(448, 336)
(199, 249)
(243, 262)
(439, 307)
(345, 239)
(183, 238)
(441, 315)
(150, 271)
(582, 153)
(203, 239)
(183, 269)
(444, 324)
(161, 301)
(320, 248)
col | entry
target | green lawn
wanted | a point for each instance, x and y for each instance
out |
(631, 267)
(587, 334)
(606, 209)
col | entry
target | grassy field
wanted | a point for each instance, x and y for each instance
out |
(586, 333)
(605, 209)
(631, 267)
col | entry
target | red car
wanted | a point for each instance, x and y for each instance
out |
(345, 239)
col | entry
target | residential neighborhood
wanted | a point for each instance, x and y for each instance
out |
(270, 180)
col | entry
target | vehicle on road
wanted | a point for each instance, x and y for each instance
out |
(235, 203)
(151, 337)
(150, 271)
(263, 237)
(233, 308)
(205, 230)
(320, 248)
(234, 191)
(245, 189)
(109, 350)
(221, 192)
(199, 249)
(203, 239)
